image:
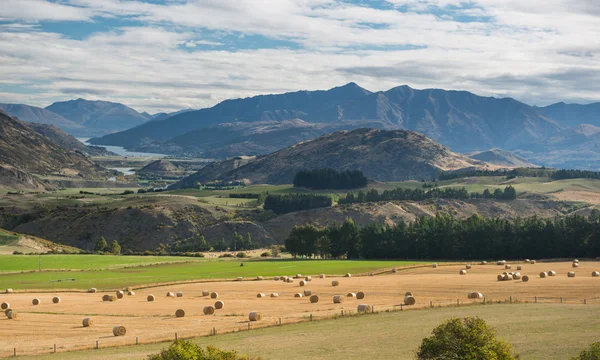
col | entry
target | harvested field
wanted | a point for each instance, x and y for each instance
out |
(154, 321)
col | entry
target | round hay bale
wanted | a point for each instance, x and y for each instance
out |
(508, 277)
(351, 294)
(276, 278)
(483, 263)
(571, 274)
(519, 267)
(219, 305)
(260, 295)
(308, 278)
(36, 301)
(302, 283)
(360, 295)
(55, 300)
(394, 270)
(499, 262)
(112, 298)
(13, 315)
(290, 280)
(335, 283)
(338, 299)
(500, 277)
(170, 294)
(214, 295)
(179, 294)
(119, 331)
(255, 316)
(130, 293)
(348, 275)
(575, 265)
(274, 295)
(517, 276)
(105, 297)
(209, 310)
(469, 266)
(532, 262)
(475, 295)
(507, 266)
(120, 294)
(364, 308)
(575, 260)
(258, 278)
(180, 313)
(595, 273)
(527, 260)
(298, 295)
(298, 276)
(322, 276)
(463, 272)
(87, 322)
(150, 298)
(283, 278)
(7, 311)
(5, 306)
(307, 292)
(408, 293)
(525, 278)
(434, 266)
(205, 292)
(370, 274)
(93, 290)
(240, 278)
(9, 291)
(314, 299)
(543, 274)
(409, 300)
(551, 273)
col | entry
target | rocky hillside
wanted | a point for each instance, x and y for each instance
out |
(500, 157)
(381, 155)
(159, 166)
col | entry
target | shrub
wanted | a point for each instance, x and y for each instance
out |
(265, 254)
(185, 350)
(591, 353)
(242, 255)
(225, 256)
(17, 252)
(468, 339)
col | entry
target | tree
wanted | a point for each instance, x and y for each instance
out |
(237, 243)
(275, 250)
(466, 339)
(186, 350)
(101, 245)
(220, 245)
(115, 248)
(591, 353)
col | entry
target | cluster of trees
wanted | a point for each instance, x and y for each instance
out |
(510, 174)
(102, 247)
(372, 195)
(330, 179)
(244, 196)
(446, 237)
(186, 350)
(282, 204)
(575, 174)
(193, 244)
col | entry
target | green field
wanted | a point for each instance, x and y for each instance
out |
(536, 331)
(135, 276)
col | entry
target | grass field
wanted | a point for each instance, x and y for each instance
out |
(537, 331)
(119, 277)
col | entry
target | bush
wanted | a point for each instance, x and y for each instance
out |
(241, 255)
(591, 353)
(185, 350)
(468, 339)
(17, 252)
(265, 254)
(225, 256)
(201, 255)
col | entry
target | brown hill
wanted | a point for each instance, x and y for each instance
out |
(159, 166)
(381, 155)
(500, 157)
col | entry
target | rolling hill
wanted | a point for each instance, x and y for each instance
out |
(500, 157)
(381, 155)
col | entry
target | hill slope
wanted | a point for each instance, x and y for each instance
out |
(380, 155)
(38, 115)
(500, 157)
(67, 141)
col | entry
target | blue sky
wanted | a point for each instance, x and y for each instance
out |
(171, 54)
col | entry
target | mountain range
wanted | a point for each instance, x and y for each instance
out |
(460, 120)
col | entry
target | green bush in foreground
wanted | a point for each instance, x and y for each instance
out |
(185, 350)
(591, 353)
(465, 339)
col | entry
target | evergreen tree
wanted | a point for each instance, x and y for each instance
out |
(220, 245)
(101, 245)
(115, 248)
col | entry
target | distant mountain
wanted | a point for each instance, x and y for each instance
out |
(101, 117)
(500, 157)
(381, 155)
(38, 115)
(572, 115)
(163, 115)
(67, 141)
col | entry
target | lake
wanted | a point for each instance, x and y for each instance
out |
(122, 151)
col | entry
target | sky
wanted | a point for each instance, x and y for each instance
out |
(165, 55)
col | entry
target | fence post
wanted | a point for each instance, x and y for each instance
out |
(55, 348)
(584, 301)
(279, 321)
(401, 307)
(248, 326)
(137, 342)
(511, 299)
(561, 299)
(457, 302)
(215, 331)
(535, 300)
(15, 352)
(310, 317)
(484, 300)
(96, 344)
(175, 336)
(430, 303)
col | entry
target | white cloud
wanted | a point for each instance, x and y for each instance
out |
(41, 10)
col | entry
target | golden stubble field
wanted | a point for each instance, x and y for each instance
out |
(40, 327)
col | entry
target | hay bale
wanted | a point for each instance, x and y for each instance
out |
(36, 301)
(475, 295)
(508, 277)
(205, 292)
(409, 300)
(219, 305)
(314, 299)
(507, 266)
(179, 294)
(322, 276)
(434, 266)
(214, 295)
(150, 298)
(516, 276)
(499, 262)
(463, 272)
(255, 316)
(532, 262)
(335, 283)
(9, 291)
(394, 270)
(525, 278)
(595, 273)
(105, 297)
(348, 275)
(360, 295)
(130, 293)
(5, 306)
(276, 278)
(112, 298)
(260, 295)
(7, 311)
(120, 294)
(575, 261)
(408, 293)
(12, 315)
(543, 274)
(289, 280)
(469, 266)
(209, 310)
(308, 278)
(283, 278)
(575, 265)
(119, 331)
(258, 278)
(298, 276)
(527, 260)
(483, 263)
(364, 308)
(273, 295)
(240, 278)
(55, 300)
(170, 294)
(338, 299)
(551, 273)
(302, 283)
(500, 277)
(87, 322)
(298, 295)
(351, 294)
(571, 274)
(180, 313)
(370, 274)
(93, 290)
(519, 267)
(307, 292)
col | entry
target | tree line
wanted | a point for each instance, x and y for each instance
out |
(575, 174)
(330, 179)
(509, 174)
(282, 204)
(509, 193)
(447, 237)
